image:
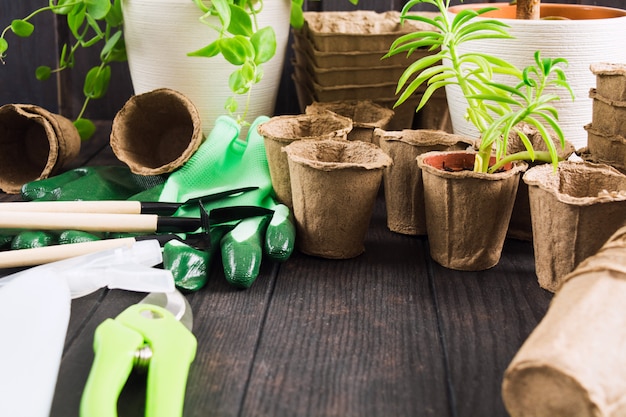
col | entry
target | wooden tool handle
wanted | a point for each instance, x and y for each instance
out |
(129, 207)
(38, 256)
(89, 222)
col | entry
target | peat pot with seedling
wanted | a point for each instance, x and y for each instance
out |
(469, 196)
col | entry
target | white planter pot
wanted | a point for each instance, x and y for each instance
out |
(160, 33)
(581, 42)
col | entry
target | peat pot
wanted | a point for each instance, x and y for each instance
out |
(334, 186)
(573, 211)
(156, 132)
(280, 131)
(572, 363)
(467, 213)
(588, 34)
(404, 192)
(34, 144)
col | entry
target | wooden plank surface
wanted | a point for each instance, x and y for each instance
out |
(389, 333)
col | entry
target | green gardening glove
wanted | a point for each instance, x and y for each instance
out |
(90, 183)
(86, 183)
(224, 162)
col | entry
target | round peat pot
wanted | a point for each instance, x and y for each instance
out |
(156, 132)
(334, 185)
(467, 212)
(34, 144)
(573, 212)
(280, 131)
(404, 192)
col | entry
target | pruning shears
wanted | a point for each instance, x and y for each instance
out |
(155, 333)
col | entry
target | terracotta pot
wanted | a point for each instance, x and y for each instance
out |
(334, 185)
(280, 131)
(404, 191)
(34, 144)
(467, 213)
(571, 364)
(589, 37)
(573, 211)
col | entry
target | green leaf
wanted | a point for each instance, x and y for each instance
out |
(63, 7)
(222, 8)
(4, 46)
(98, 9)
(231, 105)
(22, 28)
(110, 44)
(237, 82)
(43, 72)
(75, 20)
(115, 18)
(85, 128)
(240, 22)
(97, 82)
(236, 50)
(264, 43)
(296, 18)
(208, 51)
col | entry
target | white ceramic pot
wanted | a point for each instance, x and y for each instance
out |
(581, 42)
(160, 33)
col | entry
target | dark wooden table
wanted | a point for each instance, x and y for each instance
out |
(389, 333)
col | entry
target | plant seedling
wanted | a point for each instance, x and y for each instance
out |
(495, 109)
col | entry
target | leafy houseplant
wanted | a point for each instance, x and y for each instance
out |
(495, 109)
(99, 24)
(474, 192)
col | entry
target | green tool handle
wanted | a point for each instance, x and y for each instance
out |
(173, 349)
(114, 346)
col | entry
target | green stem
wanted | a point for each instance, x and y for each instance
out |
(541, 156)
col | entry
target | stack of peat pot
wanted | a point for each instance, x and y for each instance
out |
(339, 56)
(606, 141)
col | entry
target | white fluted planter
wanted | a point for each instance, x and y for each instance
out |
(160, 33)
(581, 42)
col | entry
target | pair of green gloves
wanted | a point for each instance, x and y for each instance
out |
(223, 162)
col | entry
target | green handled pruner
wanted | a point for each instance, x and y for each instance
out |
(156, 332)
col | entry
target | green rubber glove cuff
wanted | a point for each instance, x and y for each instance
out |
(221, 163)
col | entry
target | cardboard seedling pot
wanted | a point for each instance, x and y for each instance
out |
(467, 213)
(572, 363)
(34, 144)
(359, 30)
(573, 211)
(607, 149)
(156, 132)
(520, 226)
(609, 116)
(610, 80)
(334, 186)
(280, 131)
(365, 115)
(404, 191)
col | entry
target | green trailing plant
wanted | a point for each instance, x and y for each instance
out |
(98, 23)
(93, 23)
(495, 109)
